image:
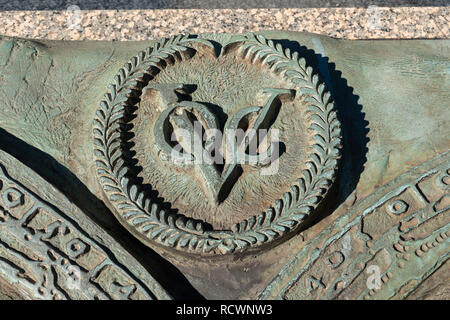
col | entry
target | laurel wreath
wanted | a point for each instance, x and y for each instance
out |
(140, 214)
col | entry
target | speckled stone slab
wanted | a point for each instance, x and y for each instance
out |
(211, 4)
(376, 22)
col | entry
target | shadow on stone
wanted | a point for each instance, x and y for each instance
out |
(208, 4)
(68, 184)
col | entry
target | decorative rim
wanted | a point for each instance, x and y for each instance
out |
(139, 213)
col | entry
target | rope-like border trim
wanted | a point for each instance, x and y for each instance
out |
(145, 217)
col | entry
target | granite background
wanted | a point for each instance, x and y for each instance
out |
(139, 20)
(208, 4)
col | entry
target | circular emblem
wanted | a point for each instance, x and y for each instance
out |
(214, 146)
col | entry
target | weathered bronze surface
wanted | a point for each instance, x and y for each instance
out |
(349, 201)
(250, 80)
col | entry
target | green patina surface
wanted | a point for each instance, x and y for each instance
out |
(392, 99)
